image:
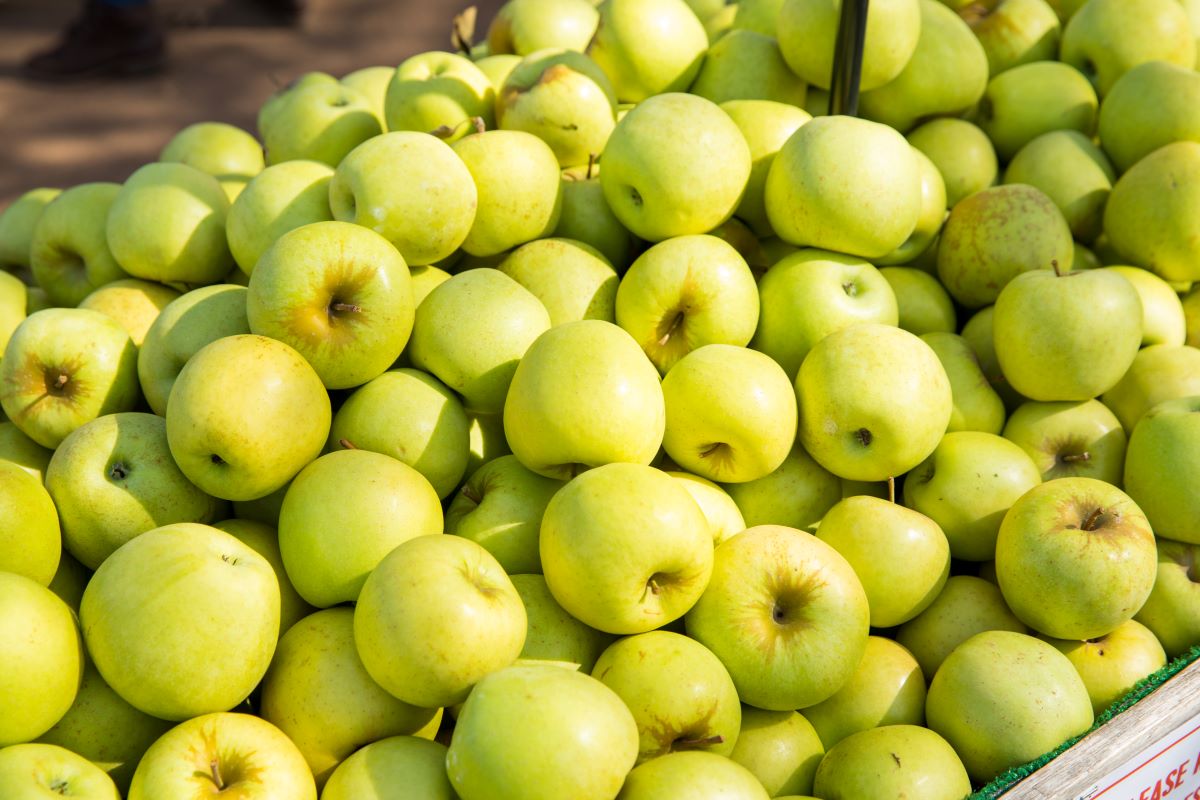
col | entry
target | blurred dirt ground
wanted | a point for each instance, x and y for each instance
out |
(220, 69)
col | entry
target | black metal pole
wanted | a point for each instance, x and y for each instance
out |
(847, 58)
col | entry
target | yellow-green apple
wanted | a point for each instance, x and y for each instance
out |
(1075, 558)
(1107, 38)
(1072, 171)
(1110, 665)
(945, 76)
(552, 634)
(676, 164)
(895, 760)
(796, 495)
(724, 517)
(227, 590)
(69, 252)
(426, 226)
(681, 696)
(339, 294)
(766, 125)
(319, 694)
(42, 660)
(584, 395)
(844, 184)
(14, 305)
(113, 479)
(70, 580)
(19, 449)
(382, 769)
(664, 539)
(33, 771)
(436, 616)
(996, 234)
(783, 592)
(812, 293)
(780, 748)
(1172, 611)
(373, 83)
(962, 153)
(692, 775)
(807, 31)
(321, 121)
(746, 65)
(977, 333)
(567, 736)
(17, 223)
(901, 556)
(497, 67)
(1158, 373)
(1164, 97)
(30, 538)
(425, 280)
(343, 513)
(518, 186)
(887, 688)
(1162, 468)
(1151, 216)
(223, 753)
(167, 224)
(563, 98)
(222, 150)
(1003, 698)
(439, 93)
(923, 305)
(264, 540)
(187, 324)
(862, 418)
(412, 417)
(1070, 439)
(587, 218)
(1015, 32)
(279, 199)
(923, 238)
(1024, 102)
(648, 47)
(500, 506)
(572, 279)
(525, 26)
(64, 367)
(1163, 320)
(757, 15)
(133, 303)
(977, 406)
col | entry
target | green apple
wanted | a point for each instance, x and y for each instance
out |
(1159, 373)
(1151, 214)
(30, 539)
(1082, 439)
(1107, 38)
(572, 279)
(399, 764)
(796, 495)
(901, 556)
(766, 125)
(1072, 172)
(321, 121)
(1163, 97)
(167, 224)
(587, 218)
(264, 540)
(64, 367)
(411, 417)
(222, 150)
(1191, 312)
(1015, 32)
(500, 506)
(895, 760)
(648, 47)
(133, 303)
(681, 697)
(977, 406)
(724, 517)
(425, 226)
(780, 748)
(69, 252)
(113, 479)
(786, 615)
(690, 775)
(1110, 665)
(929, 224)
(17, 224)
(1162, 469)
(278, 199)
(223, 753)
(33, 771)
(552, 633)
(19, 449)
(584, 395)
(42, 660)
(887, 688)
(962, 153)
(1002, 698)
(373, 83)
(844, 184)
(525, 26)
(746, 65)
(1024, 102)
(436, 616)
(862, 418)
(339, 294)
(186, 325)
(812, 293)
(1163, 319)
(664, 540)
(758, 15)
(1171, 610)
(1075, 558)
(807, 31)
(319, 694)
(921, 302)
(977, 333)
(439, 93)
(14, 305)
(224, 449)
(1066, 335)
(945, 76)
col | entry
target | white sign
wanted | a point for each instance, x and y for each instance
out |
(1169, 770)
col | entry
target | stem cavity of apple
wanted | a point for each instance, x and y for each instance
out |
(864, 437)
(215, 766)
(1092, 521)
(118, 472)
(338, 307)
(471, 494)
(695, 744)
(675, 323)
(1071, 458)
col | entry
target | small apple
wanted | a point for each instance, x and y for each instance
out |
(1071, 171)
(572, 279)
(962, 153)
(747, 65)
(552, 633)
(922, 304)
(807, 32)
(724, 517)
(780, 748)
(279, 199)
(17, 223)
(1081, 439)
(69, 252)
(133, 303)
(648, 47)
(1110, 665)
(320, 121)
(766, 125)
(1109, 37)
(919, 249)
(222, 150)
(1162, 470)
(690, 775)
(1171, 610)
(1158, 373)
(32, 771)
(1015, 32)
(796, 495)
(372, 83)
(1024, 102)
(587, 218)
(525, 26)
(892, 761)
(399, 763)
(438, 93)
(30, 538)
(1163, 97)
(977, 405)
(1163, 319)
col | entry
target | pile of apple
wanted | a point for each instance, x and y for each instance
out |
(588, 415)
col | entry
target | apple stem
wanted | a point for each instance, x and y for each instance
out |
(891, 489)
(675, 323)
(590, 167)
(340, 307)
(480, 125)
(693, 744)
(471, 494)
(1071, 458)
(215, 765)
(61, 381)
(1054, 264)
(346, 444)
(1089, 524)
(653, 586)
